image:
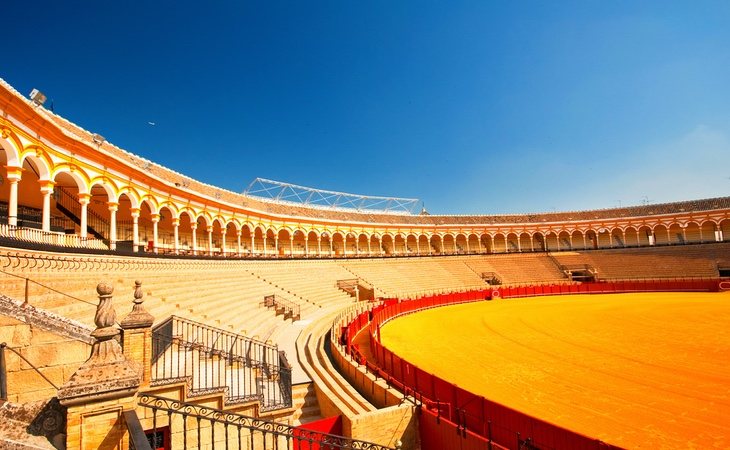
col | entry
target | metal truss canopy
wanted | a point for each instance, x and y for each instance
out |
(291, 193)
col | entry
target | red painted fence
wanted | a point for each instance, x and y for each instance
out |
(455, 418)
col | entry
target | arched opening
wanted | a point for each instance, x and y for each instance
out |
(499, 242)
(424, 246)
(631, 237)
(230, 240)
(645, 236)
(327, 245)
(525, 243)
(246, 240)
(661, 235)
(449, 244)
(184, 229)
(538, 242)
(259, 236)
(216, 233)
(676, 234)
(725, 230)
(67, 203)
(578, 240)
(299, 247)
(271, 242)
(604, 238)
(313, 244)
(461, 244)
(473, 244)
(435, 243)
(399, 244)
(551, 241)
(375, 246)
(487, 243)
(592, 239)
(564, 241)
(617, 238)
(283, 241)
(350, 244)
(513, 242)
(693, 233)
(388, 244)
(363, 244)
(708, 231)
(412, 244)
(338, 244)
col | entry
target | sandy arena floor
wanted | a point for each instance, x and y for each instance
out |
(635, 370)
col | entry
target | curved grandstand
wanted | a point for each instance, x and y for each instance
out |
(248, 311)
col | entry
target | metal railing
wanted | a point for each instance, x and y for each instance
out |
(289, 308)
(211, 360)
(200, 427)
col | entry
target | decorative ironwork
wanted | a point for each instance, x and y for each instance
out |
(291, 193)
(224, 429)
(212, 360)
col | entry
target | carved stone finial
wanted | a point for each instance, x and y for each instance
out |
(107, 371)
(139, 317)
(138, 294)
(105, 314)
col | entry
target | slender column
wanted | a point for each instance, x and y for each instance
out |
(585, 243)
(84, 200)
(669, 236)
(332, 250)
(638, 242)
(46, 191)
(210, 240)
(306, 245)
(135, 229)
(370, 251)
(684, 234)
(265, 250)
(252, 242)
(113, 206)
(610, 239)
(176, 234)
(223, 241)
(418, 246)
(13, 176)
(194, 229)
(623, 237)
(468, 249)
(570, 239)
(701, 238)
(319, 246)
(276, 245)
(155, 218)
(519, 244)
(532, 243)
(291, 245)
(238, 242)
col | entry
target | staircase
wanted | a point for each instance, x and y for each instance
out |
(211, 360)
(96, 225)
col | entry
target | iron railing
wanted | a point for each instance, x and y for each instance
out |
(197, 426)
(138, 440)
(212, 360)
(290, 309)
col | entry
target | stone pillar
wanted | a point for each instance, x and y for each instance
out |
(209, 230)
(137, 337)
(223, 241)
(135, 229)
(176, 234)
(194, 228)
(113, 225)
(46, 191)
(84, 200)
(102, 389)
(13, 176)
(155, 237)
(238, 242)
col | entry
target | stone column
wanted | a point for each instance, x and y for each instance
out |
(176, 234)
(46, 191)
(210, 240)
(155, 237)
(84, 200)
(113, 225)
(137, 337)
(223, 241)
(13, 176)
(135, 229)
(194, 229)
(238, 242)
(102, 389)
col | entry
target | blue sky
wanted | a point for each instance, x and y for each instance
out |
(473, 107)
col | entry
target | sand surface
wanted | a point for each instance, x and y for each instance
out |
(635, 370)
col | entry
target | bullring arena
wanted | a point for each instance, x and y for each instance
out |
(141, 308)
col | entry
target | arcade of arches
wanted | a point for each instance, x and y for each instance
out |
(47, 191)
